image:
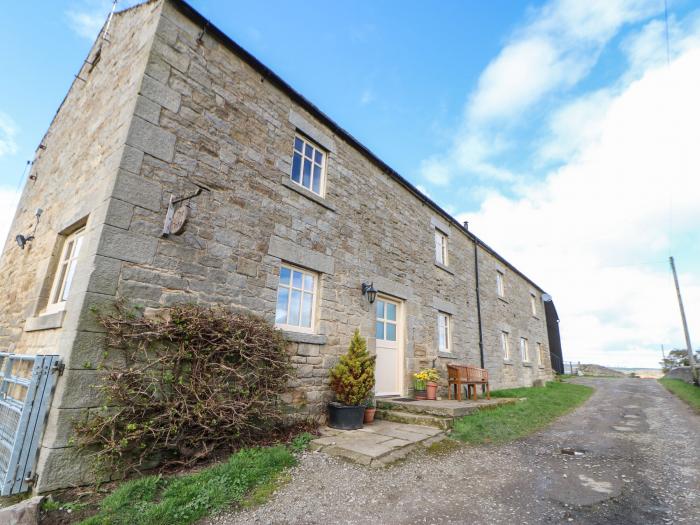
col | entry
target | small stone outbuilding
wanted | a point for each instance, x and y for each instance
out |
(277, 210)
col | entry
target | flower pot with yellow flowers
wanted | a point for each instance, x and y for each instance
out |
(425, 384)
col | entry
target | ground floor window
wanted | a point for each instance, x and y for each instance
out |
(296, 299)
(524, 352)
(65, 272)
(444, 344)
(505, 346)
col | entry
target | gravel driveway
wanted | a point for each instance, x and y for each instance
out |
(641, 465)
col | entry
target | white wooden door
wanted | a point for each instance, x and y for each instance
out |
(389, 368)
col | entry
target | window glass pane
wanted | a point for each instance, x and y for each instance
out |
(69, 279)
(296, 167)
(379, 332)
(61, 277)
(281, 311)
(319, 157)
(294, 307)
(308, 283)
(306, 177)
(285, 273)
(390, 332)
(317, 180)
(306, 308)
(380, 309)
(297, 278)
(391, 311)
(78, 244)
(441, 339)
(298, 144)
(309, 152)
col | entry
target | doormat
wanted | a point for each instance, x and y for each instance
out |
(403, 399)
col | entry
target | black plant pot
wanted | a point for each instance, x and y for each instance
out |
(345, 417)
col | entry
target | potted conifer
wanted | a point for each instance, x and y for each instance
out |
(352, 380)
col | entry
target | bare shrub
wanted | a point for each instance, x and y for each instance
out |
(197, 380)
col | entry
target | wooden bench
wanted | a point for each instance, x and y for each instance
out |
(470, 376)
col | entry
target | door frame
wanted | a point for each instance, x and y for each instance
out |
(400, 341)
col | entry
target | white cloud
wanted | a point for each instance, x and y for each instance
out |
(553, 51)
(595, 233)
(8, 204)
(8, 131)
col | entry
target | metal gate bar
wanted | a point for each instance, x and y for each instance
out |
(24, 402)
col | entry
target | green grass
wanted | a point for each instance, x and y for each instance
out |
(249, 476)
(686, 391)
(508, 422)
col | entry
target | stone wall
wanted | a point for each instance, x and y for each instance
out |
(170, 108)
(234, 132)
(73, 180)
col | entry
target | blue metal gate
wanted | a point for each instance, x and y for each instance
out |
(26, 387)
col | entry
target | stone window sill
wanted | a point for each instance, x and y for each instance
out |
(447, 355)
(300, 337)
(45, 322)
(541, 367)
(308, 194)
(502, 299)
(443, 267)
(527, 363)
(507, 362)
(535, 317)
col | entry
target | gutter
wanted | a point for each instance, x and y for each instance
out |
(478, 303)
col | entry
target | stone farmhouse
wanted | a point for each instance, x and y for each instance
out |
(181, 169)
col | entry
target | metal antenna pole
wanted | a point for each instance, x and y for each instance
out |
(691, 354)
(109, 21)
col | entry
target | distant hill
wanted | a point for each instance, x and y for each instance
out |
(600, 371)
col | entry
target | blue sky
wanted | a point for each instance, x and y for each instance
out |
(556, 128)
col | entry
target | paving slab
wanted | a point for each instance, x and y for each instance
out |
(377, 444)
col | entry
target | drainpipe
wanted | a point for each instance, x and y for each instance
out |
(478, 302)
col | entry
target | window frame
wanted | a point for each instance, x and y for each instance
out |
(316, 147)
(448, 332)
(314, 299)
(441, 252)
(524, 350)
(500, 284)
(64, 274)
(505, 345)
(540, 354)
(533, 304)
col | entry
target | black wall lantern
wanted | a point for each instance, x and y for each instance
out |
(370, 291)
(22, 240)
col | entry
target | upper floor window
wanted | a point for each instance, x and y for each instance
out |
(296, 299)
(500, 285)
(524, 351)
(308, 165)
(533, 304)
(444, 344)
(505, 346)
(440, 247)
(65, 272)
(540, 354)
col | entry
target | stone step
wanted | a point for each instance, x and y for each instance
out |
(441, 408)
(428, 420)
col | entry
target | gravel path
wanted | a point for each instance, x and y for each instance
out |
(641, 465)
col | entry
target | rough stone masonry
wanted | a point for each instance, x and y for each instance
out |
(166, 105)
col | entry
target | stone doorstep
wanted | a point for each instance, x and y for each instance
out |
(378, 444)
(442, 408)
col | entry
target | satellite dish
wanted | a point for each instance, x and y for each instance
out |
(179, 219)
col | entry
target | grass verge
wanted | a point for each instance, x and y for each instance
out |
(508, 422)
(686, 391)
(248, 477)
